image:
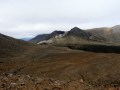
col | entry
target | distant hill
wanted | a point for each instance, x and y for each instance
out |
(10, 46)
(26, 39)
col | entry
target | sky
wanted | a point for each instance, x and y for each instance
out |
(28, 18)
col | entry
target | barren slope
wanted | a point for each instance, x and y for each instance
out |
(63, 63)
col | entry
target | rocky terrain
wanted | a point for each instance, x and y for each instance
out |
(9, 81)
(47, 67)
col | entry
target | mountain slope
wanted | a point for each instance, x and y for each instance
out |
(115, 33)
(10, 46)
(110, 34)
(39, 38)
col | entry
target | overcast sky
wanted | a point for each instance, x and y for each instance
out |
(27, 18)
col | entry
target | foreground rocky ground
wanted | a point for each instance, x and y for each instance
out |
(46, 67)
(9, 81)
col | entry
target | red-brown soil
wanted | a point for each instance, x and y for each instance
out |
(80, 70)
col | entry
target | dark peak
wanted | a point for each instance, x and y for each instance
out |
(56, 32)
(76, 30)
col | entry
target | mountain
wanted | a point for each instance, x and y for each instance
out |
(62, 36)
(78, 33)
(75, 35)
(43, 37)
(10, 46)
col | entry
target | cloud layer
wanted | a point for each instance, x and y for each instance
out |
(27, 18)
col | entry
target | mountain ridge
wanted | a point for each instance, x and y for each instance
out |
(104, 34)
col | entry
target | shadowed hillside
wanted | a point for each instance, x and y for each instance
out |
(96, 48)
(10, 46)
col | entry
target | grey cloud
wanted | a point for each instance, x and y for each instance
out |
(31, 17)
